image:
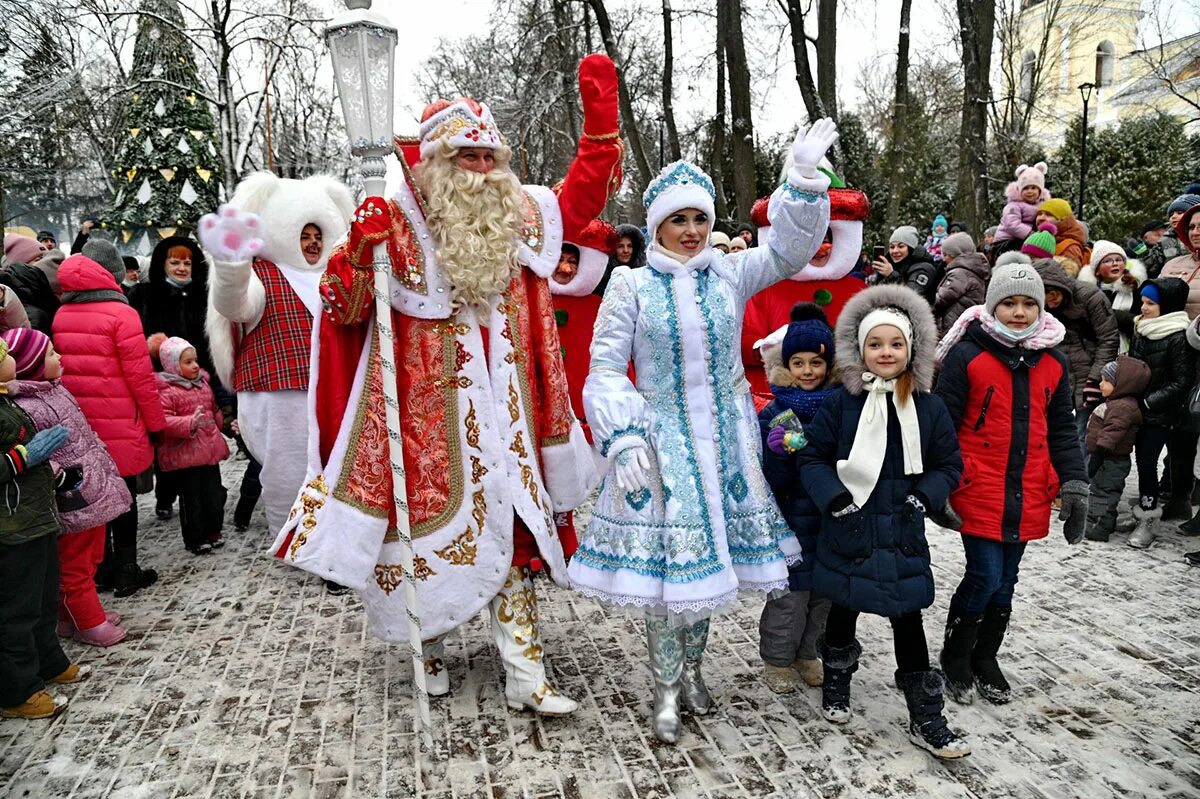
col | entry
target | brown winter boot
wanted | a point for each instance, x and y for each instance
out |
(39, 706)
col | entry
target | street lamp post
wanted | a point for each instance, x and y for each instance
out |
(1085, 91)
(362, 44)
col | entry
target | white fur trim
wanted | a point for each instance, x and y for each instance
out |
(431, 299)
(286, 206)
(540, 249)
(676, 198)
(817, 184)
(771, 340)
(592, 263)
(569, 470)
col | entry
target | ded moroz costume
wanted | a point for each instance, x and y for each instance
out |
(491, 447)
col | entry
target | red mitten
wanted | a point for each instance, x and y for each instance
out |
(371, 224)
(598, 93)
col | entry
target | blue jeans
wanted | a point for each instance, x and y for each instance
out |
(991, 575)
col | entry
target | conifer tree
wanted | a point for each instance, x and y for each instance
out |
(167, 173)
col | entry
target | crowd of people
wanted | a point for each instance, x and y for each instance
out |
(543, 356)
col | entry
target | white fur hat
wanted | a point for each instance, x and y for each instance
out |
(286, 206)
(679, 185)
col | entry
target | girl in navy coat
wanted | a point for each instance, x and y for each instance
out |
(1009, 392)
(800, 369)
(881, 452)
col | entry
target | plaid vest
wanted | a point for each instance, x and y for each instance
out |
(274, 356)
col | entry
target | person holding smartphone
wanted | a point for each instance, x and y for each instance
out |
(906, 263)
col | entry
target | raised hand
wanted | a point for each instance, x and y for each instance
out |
(811, 145)
(598, 94)
(231, 236)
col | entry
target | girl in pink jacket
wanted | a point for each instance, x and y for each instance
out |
(192, 446)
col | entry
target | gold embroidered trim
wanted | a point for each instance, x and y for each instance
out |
(532, 225)
(616, 134)
(478, 470)
(461, 551)
(472, 425)
(518, 445)
(514, 404)
(555, 441)
(518, 607)
(479, 513)
(310, 505)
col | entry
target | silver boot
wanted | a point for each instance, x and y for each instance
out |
(666, 645)
(694, 692)
(1143, 535)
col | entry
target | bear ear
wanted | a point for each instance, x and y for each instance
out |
(1041, 166)
(1017, 172)
(252, 194)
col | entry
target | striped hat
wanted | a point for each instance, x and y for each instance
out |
(28, 348)
(1041, 244)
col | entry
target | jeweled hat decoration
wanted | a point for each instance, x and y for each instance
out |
(463, 122)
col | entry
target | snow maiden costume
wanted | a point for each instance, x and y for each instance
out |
(491, 448)
(263, 298)
(705, 524)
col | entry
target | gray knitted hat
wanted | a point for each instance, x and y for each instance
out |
(105, 254)
(957, 244)
(905, 234)
(1012, 280)
(1109, 372)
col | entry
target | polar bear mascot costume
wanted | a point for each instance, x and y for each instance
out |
(268, 248)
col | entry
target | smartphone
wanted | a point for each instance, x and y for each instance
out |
(878, 252)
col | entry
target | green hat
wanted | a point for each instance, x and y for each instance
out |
(1040, 244)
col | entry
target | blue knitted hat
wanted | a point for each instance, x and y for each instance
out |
(809, 331)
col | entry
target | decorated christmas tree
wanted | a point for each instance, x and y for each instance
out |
(167, 173)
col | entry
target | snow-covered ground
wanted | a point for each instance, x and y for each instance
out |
(243, 678)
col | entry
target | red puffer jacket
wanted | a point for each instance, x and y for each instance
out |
(1013, 413)
(106, 364)
(188, 441)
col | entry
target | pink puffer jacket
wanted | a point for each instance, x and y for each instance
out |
(49, 403)
(187, 442)
(106, 364)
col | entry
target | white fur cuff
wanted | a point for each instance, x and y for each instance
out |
(569, 471)
(818, 184)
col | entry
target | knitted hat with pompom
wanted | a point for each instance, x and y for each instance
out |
(1041, 243)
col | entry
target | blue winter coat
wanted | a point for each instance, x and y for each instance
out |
(877, 560)
(783, 475)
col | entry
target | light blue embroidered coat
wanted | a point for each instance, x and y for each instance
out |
(708, 525)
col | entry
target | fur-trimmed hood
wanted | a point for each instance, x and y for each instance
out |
(287, 205)
(850, 364)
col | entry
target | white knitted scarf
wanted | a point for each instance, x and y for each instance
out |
(860, 471)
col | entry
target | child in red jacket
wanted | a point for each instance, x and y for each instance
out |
(1009, 393)
(192, 446)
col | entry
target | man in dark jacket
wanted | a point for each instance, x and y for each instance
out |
(1092, 336)
(1169, 246)
(907, 264)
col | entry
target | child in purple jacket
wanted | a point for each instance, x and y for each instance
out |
(89, 491)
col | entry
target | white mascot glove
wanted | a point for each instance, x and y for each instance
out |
(808, 149)
(632, 469)
(231, 236)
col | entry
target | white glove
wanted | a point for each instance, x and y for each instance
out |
(810, 147)
(231, 236)
(632, 469)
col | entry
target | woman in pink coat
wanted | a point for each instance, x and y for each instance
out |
(192, 447)
(106, 367)
(90, 493)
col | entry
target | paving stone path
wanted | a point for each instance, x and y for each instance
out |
(244, 678)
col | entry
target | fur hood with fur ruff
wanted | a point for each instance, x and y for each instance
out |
(1132, 266)
(850, 365)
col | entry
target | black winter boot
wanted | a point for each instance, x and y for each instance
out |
(131, 578)
(927, 727)
(1192, 526)
(840, 663)
(957, 645)
(989, 680)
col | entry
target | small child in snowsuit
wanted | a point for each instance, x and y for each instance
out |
(938, 232)
(30, 654)
(800, 370)
(1111, 433)
(1008, 391)
(192, 446)
(90, 491)
(1025, 195)
(881, 453)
